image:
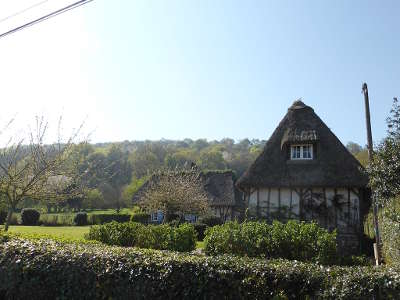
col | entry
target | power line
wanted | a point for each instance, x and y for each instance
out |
(23, 10)
(46, 17)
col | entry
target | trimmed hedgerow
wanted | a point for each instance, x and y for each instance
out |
(211, 220)
(106, 218)
(81, 219)
(293, 240)
(131, 234)
(140, 217)
(29, 216)
(45, 269)
(3, 216)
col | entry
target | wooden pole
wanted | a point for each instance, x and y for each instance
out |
(370, 153)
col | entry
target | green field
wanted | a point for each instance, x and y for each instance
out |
(74, 232)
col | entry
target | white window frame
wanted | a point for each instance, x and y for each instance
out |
(302, 146)
(154, 216)
(191, 218)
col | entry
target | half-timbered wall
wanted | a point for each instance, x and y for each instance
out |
(330, 207)
(224, 212)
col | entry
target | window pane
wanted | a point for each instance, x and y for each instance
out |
(297, 151)
(307, 151)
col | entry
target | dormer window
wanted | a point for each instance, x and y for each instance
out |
(301, 151)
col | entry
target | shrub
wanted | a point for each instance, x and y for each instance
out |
(293, 240)
(390, 231)
(162, 237)
(211, 220)
(56, 220)
(106, 218)
(140, 217)
(114, 233)
(200, 229)
(43, 269)
(14, 220)
(81, 219)
(184, 238)
(355, 260)
(3, 216)
(29, 216)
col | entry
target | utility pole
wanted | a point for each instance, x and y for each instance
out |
(370, 153)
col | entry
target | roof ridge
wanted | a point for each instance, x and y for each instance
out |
(298, 104)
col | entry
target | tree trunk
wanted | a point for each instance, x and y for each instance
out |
(166, 217)
(8, 219)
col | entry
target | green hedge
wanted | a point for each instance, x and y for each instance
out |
(3, 216)
(45, 269)
(140, 217)
(293, 240)
(30, 216)
(131, 234)
(106, 218)
(56, 220)
(81, 219)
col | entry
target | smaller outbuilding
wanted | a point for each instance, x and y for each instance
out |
(223, 198)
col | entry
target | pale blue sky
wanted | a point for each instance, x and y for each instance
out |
(206, 69)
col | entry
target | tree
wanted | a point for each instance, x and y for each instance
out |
(130, 189)
(93, 199)
(175, 192)
(37, 171)
(360, 153)
(384, 174)
(179, 158)
(119, 172)
(144, 162)
(354, 148)
(212, 160)
(384, 170)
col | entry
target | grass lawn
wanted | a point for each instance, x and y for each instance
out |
(75, 232)
(200, 245)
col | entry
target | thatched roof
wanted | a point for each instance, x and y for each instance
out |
(220, 188)
(333, 165)
(218, 185)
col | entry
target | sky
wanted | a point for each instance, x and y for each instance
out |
(136, 70)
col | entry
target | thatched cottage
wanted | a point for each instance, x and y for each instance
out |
(223, 198)
(304, 172)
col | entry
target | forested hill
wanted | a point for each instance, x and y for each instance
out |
(114, 171)
(147, 156)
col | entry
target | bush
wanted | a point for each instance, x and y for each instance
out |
(56, 220)
(42, 269)
(184, 238)
(106, 218)
(81, 219)
(390, 231)
(29, 216)
(114, 233)
(131, 234)
(355, 260)
(200, 229)
(293, 240)
(140, 217)
(3, 216)
(211, 220)
(14, 220)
